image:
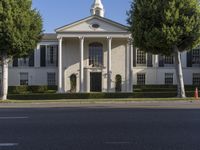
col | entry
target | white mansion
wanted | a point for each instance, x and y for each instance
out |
(95, 54)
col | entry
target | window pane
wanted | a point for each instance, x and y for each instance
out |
(168, 78)
(196, 79)
(96, 55)
(51, 55)
(22, 62)
(169, 60)
(51, 79)
(23, 78)
(196, 56)
(140, 79)
(141, 57)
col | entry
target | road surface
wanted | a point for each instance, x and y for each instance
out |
(99, 128)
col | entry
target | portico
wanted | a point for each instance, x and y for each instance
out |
(84, 70)
(101, 50)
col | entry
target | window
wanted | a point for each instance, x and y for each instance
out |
(23, 78)
(51, 79)
(169, 60)
(95, 25)
(97, 12)
(23, 62)
(196, 79)
(118, 83)
(141, 79)
(73, 83)
(196, 56)
(51, 55)
(141, 57)
(96, 54)
(168, 78)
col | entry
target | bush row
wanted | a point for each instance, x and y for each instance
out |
(31, 89)
(54, 96)
(160, 88)
(136, 89)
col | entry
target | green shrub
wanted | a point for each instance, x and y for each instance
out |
(161, 88)
(38, 89)
(52, 88)
(49, 93)
(31, 89)
(54, 96)
(18, 90)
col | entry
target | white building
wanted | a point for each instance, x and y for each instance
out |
(88, 55)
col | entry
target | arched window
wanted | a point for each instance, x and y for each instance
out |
(73, 83)
(96, 54)
(118, 83)
(97, 12)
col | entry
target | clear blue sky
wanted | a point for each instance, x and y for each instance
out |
(56, 13)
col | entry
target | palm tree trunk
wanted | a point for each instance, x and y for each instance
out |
(179, 74)
(4, 88)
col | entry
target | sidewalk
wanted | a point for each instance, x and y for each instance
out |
(132, 104)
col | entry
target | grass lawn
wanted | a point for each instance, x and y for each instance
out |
(97, 100)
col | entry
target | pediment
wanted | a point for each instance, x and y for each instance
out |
(93, 24)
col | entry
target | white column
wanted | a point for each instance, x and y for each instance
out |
(127, 66)
(81, 64)
(130, 65)
(60, 84)
(156, 61)
(156, 65)
(88, 81)
(109, 67)
(37, 56)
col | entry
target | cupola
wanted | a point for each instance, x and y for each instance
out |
(97, 8)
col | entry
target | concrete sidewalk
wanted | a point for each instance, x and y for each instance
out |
(132, 104)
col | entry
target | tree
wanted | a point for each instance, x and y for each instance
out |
(20, 31)
(166, 27)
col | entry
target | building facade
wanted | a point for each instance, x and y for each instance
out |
(96, 54)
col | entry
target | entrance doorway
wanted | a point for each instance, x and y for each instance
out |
(95, 82)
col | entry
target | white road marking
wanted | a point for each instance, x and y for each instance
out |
(8, 144)
(120, 142)
(24, 117)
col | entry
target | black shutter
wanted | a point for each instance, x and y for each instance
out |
(189, 59)
(161, 61)
(42, 55)
(134, 57)
(31, 60)
(149, 60)
(57, 55)
(15, 62)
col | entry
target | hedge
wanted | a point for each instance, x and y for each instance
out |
(54, 96)
(136, 88)
(49, 92)
(161, 88)
(31, 89)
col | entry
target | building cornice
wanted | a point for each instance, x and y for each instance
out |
(116, 24)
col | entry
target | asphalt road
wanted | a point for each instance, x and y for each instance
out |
(99, 129)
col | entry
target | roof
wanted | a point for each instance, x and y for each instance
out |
(116, 24)
(49, 37)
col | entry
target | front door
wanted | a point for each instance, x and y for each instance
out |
(95, 82)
